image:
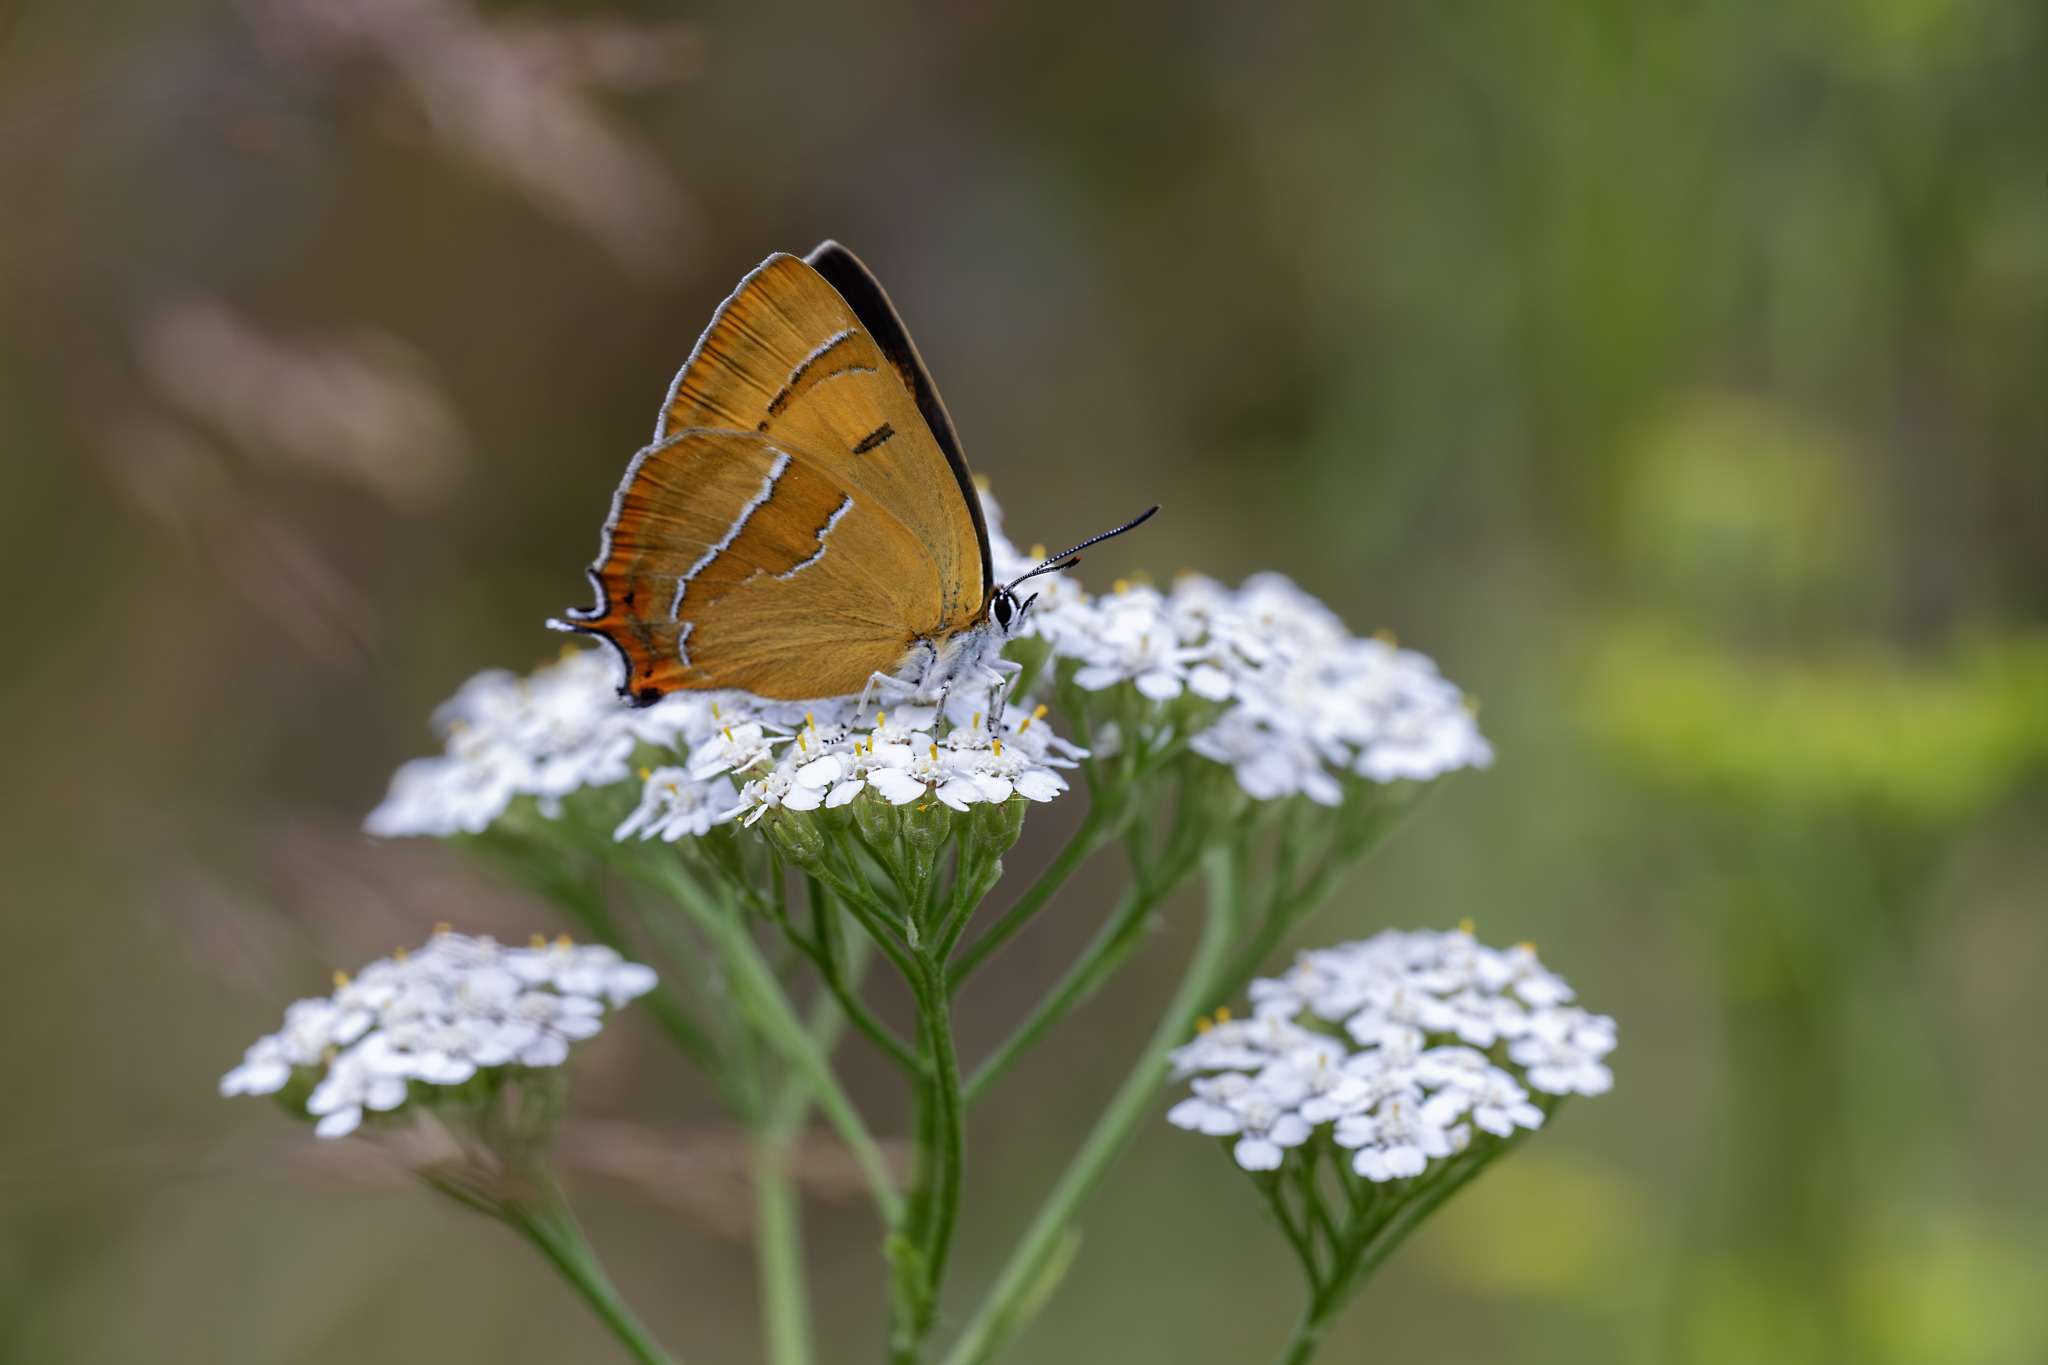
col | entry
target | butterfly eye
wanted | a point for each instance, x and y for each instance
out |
(1002, 608)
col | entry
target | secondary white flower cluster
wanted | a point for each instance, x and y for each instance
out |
(546, 735)
(828, 754)
(1450, 1035)
(436, 1017)
(1308, 699)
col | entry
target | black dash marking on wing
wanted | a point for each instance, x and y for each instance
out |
(874, 438)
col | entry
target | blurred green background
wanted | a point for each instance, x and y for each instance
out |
(1672, 373)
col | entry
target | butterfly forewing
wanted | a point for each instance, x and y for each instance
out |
(795, 527)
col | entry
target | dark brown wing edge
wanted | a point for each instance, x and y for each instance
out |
(864, 294)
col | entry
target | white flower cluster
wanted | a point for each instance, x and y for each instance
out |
(1308, 698)
(828, 755)
(1304, 701)
(560, 729)
(1432, 1015)
(437, 1017)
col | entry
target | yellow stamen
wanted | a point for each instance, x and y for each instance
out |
(977, 721)
(999, 747)
(810, 720)
(1038, 549)
(441, 929)
(881, 719)
(1203, 1025)
(537, 941)
(1121, 586)
(1387, 638)
(714, 712)
(564, 941)
(1526, 944)
(800, 741)
(935, 751)
(340, 979)
(1223, 1014)
(646, 773)
(1465, 925)
(728, 735)
(399, 953)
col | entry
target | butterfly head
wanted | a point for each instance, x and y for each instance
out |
(1007, 611)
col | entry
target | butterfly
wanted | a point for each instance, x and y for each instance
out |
(804, 524)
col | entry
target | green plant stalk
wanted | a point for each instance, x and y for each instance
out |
(548, 1223)
(1094, 832)
(778, 1249)
(778, 1209)
(1112, 945)
(1383, 1236)
(1022, 1282)
(761, 998)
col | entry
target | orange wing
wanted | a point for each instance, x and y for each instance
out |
(796, 526)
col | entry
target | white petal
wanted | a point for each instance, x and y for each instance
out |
(1258, 1154)
(386, 1092)
(1372, 1164)
(340, 1123)
(845, 792)
(822, 772)
(1209, 682)
(1039, 785)
(897, 787)
(1405, 1160)
(1290, 1131)
(547, 1050)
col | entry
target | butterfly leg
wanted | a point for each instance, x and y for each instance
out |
(892, 688)
(1004, 673)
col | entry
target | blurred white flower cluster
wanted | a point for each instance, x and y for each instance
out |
(1306, 696)
(562, 728)
(437, 1017)
(1451, 1034)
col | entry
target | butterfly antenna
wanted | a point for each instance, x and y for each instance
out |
(1067, 559)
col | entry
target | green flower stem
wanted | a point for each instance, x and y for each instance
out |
(1096, 830)
(1113, 943)
(548, 1223)
(1026, 1278)
(1378, 1235)
(778, 1211)
(825, 948)
(779, 1250)
(762, 1000)
(934, 1199)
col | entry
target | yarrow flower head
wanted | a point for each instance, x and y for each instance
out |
(1303, 701)
(1449, 1035)
(546, 735)
(411, 1023)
